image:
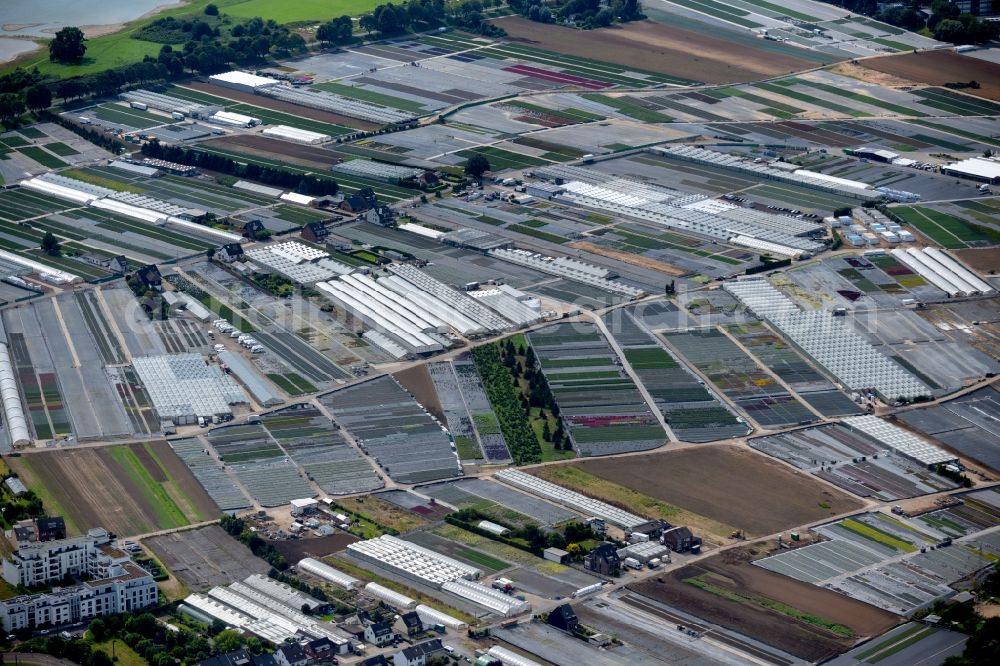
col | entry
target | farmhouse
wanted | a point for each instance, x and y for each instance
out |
(604, 560)
(563, 617)
(230, 252)
(416, 655)
(379, 634)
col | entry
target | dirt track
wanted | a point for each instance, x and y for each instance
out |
(739, 607)
(729, 484)
(658, 47)
(940, 67)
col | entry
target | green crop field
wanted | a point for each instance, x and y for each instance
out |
(61, 149)
(541, 235)
(949, 230)
(649, 358)
(869, 532)
(782, 88)
(116, 113)
(44, 158)
(629, 107)
(501, 159)
(168, 514)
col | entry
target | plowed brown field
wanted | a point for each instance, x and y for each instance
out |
(658, 47)
(129, 489)
(730, 484)
(790, 615)
(940, 67)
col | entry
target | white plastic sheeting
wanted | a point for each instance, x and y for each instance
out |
(391, 597)
(227, 236)
(39, 185)
(494, 601)
(566, 497)
(328, 573)
(13, 410)
(430, 615)
(509, 657)
(412, 560)
(901, 441)
(295, 134)
(46, 272)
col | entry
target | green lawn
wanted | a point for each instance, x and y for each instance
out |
(300, 10)
(116, 113)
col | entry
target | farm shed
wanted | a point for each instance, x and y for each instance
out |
(975, 168)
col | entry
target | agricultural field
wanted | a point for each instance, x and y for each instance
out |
(205, 557)
(210, 473)
(852, 461)
(958, 225)
(673, 51)
(466, 410)
(486, 495)
(691, 411)
(128, 489)
(809, 622)
(907, 644)
(737, 375)
(963, 424)
(742, 488)
(601, 406)
(941, 67)
(791, 367)
(314, 443)
(394, 430)
(889, 562)
(260, 464)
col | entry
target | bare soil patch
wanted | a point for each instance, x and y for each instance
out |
(418, 382)
(658, 47)
(278, 105)
(805, 620)
(940, 67)
(94, 490)
(629, 258)
(317, 547)
(727, 483)
(981, 260)
(262, 146)
(857, 71)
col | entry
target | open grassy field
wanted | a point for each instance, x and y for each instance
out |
(383, 513)
(726, 484)
(300, 10)
(950, 231)
(129, 489)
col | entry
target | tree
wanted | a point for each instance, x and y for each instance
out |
(477, 166)
(11, 107)
(228, 640)
(211, 10)
(38, 97)
(68, 46)
(336, 31)
(98, 630)
(50, 245)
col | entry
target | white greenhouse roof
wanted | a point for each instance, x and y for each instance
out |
(243, 79)
(900, 440)
(977, 167)
(185, 385)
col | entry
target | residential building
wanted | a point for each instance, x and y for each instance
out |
(125, 587)
(410, 623)
(360, 201)
(652, 529)
(416, 655)
(291, 654)
(383, 216)
(149, 277)
(15, 486)
(49, 561)
(379, 634)
(230, 252)
(239, 658)
(563, 617)
(603, 560)
(680, 540)
(315, 232)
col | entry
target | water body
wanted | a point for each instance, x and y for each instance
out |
(12, 48)
(41, 18)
